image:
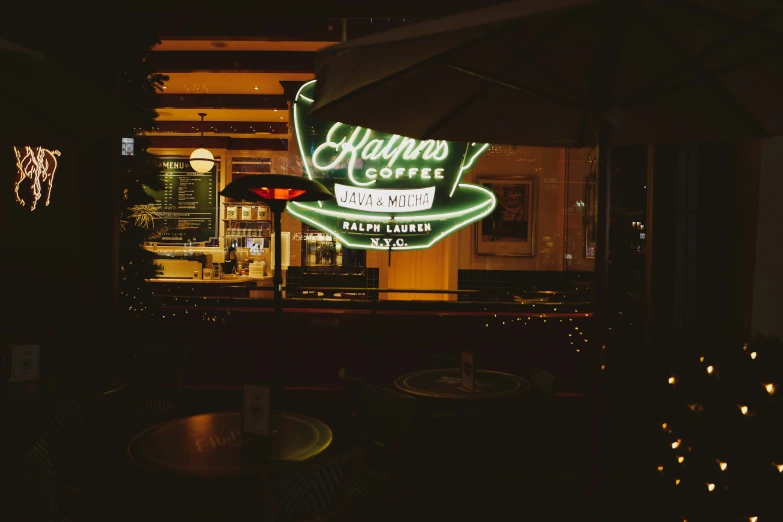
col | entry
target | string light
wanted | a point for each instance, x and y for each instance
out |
(779, 467)
(743, 409)
(752, 355)
(676, 444)
(680, 459)
(770, 388)
(722, 465)
(664, 425)
(672, 380)
(710, 486)
(710, 369)
(676, 482)
(701, 359)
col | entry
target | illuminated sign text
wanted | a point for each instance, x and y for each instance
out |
(391, 192)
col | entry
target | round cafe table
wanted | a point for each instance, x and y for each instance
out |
(213, 445)
(444, 384)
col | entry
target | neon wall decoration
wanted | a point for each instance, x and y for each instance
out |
(391, 192)
(36, 166)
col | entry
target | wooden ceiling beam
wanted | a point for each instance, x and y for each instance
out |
(232, 61)
(222, 101)
(218, 142)
(221, 127)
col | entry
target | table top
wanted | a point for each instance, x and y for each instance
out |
(213, 444)
(443, 383)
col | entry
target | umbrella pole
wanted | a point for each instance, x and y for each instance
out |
(600, 299)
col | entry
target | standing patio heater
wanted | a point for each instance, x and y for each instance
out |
(276, 190)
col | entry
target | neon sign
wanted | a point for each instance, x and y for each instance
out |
(37, 165)
(391, 192)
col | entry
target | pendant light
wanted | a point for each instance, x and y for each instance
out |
(201, 160)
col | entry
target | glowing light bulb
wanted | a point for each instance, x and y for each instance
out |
(672, 380)
(710, 369)
(677, 482)
(744, 410)
(660, 468)
(722, 465)
(779, 466)
(745, 347)
(710, 487)
(676, 444)
(753, 519)
(752, 355)
(770, 388)
(701, 359)
(680, 459)
(664, 425)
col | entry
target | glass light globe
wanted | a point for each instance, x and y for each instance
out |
(201, 160)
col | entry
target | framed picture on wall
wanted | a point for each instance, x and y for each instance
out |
(510, 229)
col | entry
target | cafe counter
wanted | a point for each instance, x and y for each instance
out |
(237, 286)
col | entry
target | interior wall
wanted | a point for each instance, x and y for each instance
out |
(547, 167)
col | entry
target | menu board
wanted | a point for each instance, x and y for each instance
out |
(187, 205)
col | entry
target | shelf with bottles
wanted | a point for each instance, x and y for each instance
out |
(241, 211)
(242, 228)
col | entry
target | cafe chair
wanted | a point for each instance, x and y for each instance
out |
(315, 488)
(451, 360)
(352, 386)
(543, 382)
(52, 498)
(156, 394)
(388, 420)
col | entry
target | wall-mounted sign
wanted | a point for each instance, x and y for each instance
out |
(24, 363)
(35, 168)
(186, 209)
(127, 146)
(391, 192)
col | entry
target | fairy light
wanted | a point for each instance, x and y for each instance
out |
(779, 467)
(676, 482)
(752, 355)
(743, 409)
(672, 380)
(701, 359)
(722, 465)
(664, 425)
(710, 486)
(710, 369)
(680, 459)
(676, 444)
(770, 387)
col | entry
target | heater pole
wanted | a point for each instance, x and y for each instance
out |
(277, 281)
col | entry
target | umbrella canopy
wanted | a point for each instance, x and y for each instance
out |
(267, 187)
(556, 72)
(36, 92)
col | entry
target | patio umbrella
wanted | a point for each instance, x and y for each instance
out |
(276, 190)
(37, 92)
(568, 73)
